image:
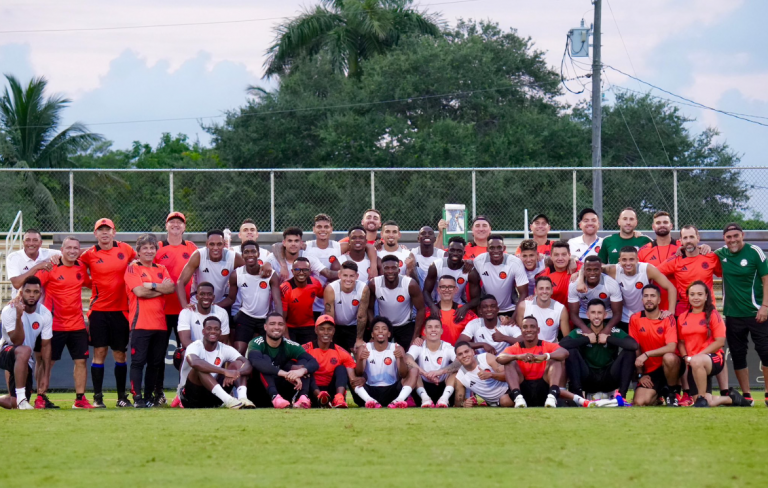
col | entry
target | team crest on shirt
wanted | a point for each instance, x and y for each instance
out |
(460, 281)
(217, 362)
(703, 322)
(332, 259)
(185, 255)
(133, 351)
(263, 285)
(440, 360)
(79, 276)
(660, 330)
(224, 272)
(550, 322)
(36, 326)
(603, 296)
(355, 303)
(313, 294)
(388, 361)
(399, 263)
(704, 265)
(160, 275)
(400, 298)
(334, 361)
(743, 262)
(597, 249)
(120, 256)
(639, 285)
(503, 275)
(260, 262)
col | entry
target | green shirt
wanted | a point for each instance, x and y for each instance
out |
(609, 251)
(742, 284)
(599, 356)
(292, 349)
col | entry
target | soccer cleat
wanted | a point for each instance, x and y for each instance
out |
(551, 401)
(339, 401)
(233, 403)
(701, 402)
(139, 402)
(671, 401)
(323, 398)
(98, 401)
(591, 404)
(247, 404)
(685, 400)
(82, 403)
(303, 402)
(372, 404)
(159, 400)
(440, 404)
(521, 403)
(586, 403)
(737, 400)
(410, 403)
(24, 405)
(42, 401)
(398, 405)
(473, 399)
(620, 401)
(176, 403)
(280, 402)
(428, 404)
(123, 403)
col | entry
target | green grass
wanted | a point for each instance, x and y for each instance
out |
(478, 447)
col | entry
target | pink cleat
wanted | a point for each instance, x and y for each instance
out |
(440, 404)
(324, 398)
(372, 404)
(428, 404)
(410, 402)
(303, 402)
(398, 405)
(176, 403)
(280, 402)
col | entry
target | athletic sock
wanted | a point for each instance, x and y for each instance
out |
(579, 400)
(665, 391)
(724, 392)
(747, 394)
(97, 377)
(21, 394)
(515, 393)
(220, 393)
(554, 391)
(121, 371)
(446, 396)
(363, 394)
(423, 394)
(404, 394)
(677, 389)
(79, 396)
(242, 392)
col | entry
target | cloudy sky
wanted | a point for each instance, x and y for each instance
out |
(707, 50)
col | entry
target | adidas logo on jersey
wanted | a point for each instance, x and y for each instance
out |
(206, 270)
(614, 251)
(471, 384)
(60, 278)
(295, 300)
(642, 329)
(381, 298)
(245, 285)
(100, 261)
(372, 361)
(486, 274)
(197, 322)
(143, 275)
(685, 268)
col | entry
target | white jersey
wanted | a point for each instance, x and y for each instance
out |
(394, 304)
(264, 254)
(326, 256)
(478, 332)
(256, 293)
(363, 267)
(192, 320)
(423, 263)
(346, 304)
(38, 323)
(632, 289)
(503, 279)
(441, 266)
(216, 273)
(315, 266)
(491, 390)
(531, 274)
(581, 250)
(548, 318)
(607, 290)
(17, 263)
(381, 366)
(218, 357)
(430, 360)
(402, 256)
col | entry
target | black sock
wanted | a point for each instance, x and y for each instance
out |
(97, 377)
(724, 392)
(79, 396)
(121, 371)
(687, 392)
(665, 391)
(677, 389)
(554, 390)
(515, 393)
(747, 394)
(766, 393)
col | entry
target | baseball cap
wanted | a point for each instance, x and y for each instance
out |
(176, 215)
(323, 319)
(102, 222)
(540, 216)
(481, 217)
(732, 226)
(585, 212)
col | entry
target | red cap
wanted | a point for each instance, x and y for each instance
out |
(102, 222)
(176, 215)
(323, 319)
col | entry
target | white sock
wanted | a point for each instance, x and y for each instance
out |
(363, 394)
(220, 393)
(21, 394)
(404, 394)
(446, 396)
(578, 400)
(242, 392)
(423, 394)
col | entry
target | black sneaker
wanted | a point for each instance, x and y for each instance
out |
(139, 402)
(671, 400)
(159, 400)
(702, 402)
(98, 401)
(124, 403)
(737, 400)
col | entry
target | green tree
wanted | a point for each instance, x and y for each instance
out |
(345, 32)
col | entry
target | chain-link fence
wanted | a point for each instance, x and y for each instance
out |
(139, 200)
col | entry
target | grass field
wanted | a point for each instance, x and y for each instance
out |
(401, 448)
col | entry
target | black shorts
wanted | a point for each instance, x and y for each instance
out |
(109, 329)
(403, 334)
(717, 366)
(346, 336)
(38, 344)
(659, 379)
(75, 340)
(599, 380)
(737, 332)
(247, 327)
(8, 363)
(302, 335)
(198, 396)
(382, 394)
(535, 392)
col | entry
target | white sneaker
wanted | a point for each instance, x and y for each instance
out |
(520, 402)
(551, 401)
(233, 403)
(247, 403)
(24, 405)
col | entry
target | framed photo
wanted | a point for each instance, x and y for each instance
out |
(456, 216)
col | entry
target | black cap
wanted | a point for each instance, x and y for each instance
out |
(481, 217)
(732, 226)
(585, 212)
(540, 216)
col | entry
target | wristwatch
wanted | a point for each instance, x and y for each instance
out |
(154, 286)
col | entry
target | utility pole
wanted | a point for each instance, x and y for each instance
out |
(597, 115)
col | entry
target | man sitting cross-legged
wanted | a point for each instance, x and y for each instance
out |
(435, 361)
(336, 369)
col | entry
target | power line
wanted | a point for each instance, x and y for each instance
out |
(185, 24)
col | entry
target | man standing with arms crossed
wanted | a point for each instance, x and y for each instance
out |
(613, 244)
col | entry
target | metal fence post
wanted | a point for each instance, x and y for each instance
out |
(674, 194)
(170, 187)
(474, 194)
(71, 202)
(373, 189)
(272, 201)
(575, 224)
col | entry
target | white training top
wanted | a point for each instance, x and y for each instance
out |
(478, 332)
(363, 267)
(264, 254)
(346, 304)
(441, 266)
(17, 263)
(502, 280)
(222, 354)
(402, 255)
(607, 290)
(216, 273)
(548, 318)
(38, 323)
(315, 266)
(579, 248)
(531, 274)
(491, 390)
(381, 367)
(192, 320)
(256, 293)
(423, 263)
(430, 360)
(632, 289)
(394, 304)
(326, 257)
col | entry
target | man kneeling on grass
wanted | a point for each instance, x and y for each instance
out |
(480, 375)
(210, 367)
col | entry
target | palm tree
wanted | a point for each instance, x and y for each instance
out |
(346, 32)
